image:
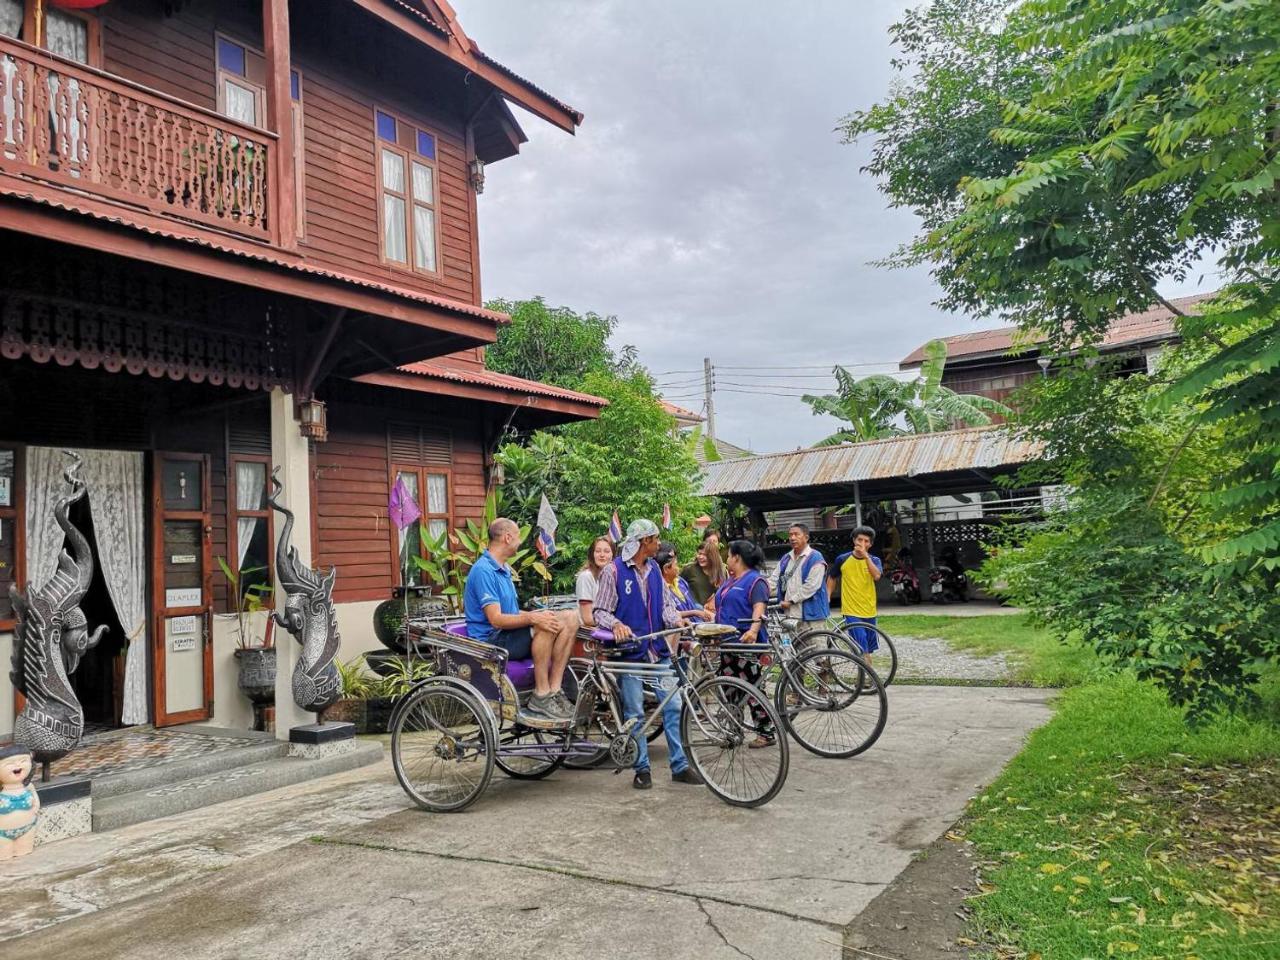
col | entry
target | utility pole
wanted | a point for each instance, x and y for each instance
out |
(708, 386)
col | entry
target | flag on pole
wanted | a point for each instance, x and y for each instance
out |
(615, 528)
(401, 507)
(547, 524)
(666, 516)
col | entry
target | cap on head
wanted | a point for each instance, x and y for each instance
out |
(637, 531)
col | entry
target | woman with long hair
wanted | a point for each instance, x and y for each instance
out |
(599, 555)
(740, 603)
(706, 572)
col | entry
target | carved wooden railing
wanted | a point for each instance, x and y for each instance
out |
(81, 128)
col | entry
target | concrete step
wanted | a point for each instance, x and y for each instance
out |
(188, 768)
(166, 799)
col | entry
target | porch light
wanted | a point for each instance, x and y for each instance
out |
(477, 175)
(1044, 363)
(312, 420)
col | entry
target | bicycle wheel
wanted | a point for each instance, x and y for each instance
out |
(717, 728)
(883, 660)
(442, 747)
(832, 703)
(528, 767)
(598, 725)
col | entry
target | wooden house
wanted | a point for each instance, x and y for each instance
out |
(239, 235)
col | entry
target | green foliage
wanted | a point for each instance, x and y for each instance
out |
(879, 405)
(553, 344)
(252, 596)
(356, 683)
(447, 558)
(629, 460)
(1101, 831)
(1134, 138)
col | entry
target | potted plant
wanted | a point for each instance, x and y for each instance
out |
(368, 701)
(255, 652)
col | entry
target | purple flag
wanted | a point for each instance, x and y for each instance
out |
(401, 507)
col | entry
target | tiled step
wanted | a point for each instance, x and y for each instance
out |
(187, 768)
(178, 796)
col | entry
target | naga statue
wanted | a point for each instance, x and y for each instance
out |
(309, 617)
(51, 637)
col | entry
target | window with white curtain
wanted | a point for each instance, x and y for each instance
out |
(11, 12)
(435, 514)
(407, 186)
(251, 521)
(66, 35)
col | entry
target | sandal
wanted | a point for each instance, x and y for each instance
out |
(760, 742)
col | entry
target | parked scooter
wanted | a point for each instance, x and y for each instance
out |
(948, 581)
(905, 580)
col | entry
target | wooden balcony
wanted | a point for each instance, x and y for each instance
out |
(97, 136)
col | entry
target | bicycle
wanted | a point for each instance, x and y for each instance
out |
(830, 700)
(449, 731)
(839, 634)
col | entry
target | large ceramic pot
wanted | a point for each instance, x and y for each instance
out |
(257, 674)
(389, 615)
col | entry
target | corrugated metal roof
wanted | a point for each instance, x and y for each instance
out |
(897, 457)
(1156, 323)
(263, 255)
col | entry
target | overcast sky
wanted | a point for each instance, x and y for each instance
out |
(706, 201)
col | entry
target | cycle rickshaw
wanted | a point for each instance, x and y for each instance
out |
(450, 730)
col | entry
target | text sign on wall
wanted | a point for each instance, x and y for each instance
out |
(180, 644)
(179, 625)
(182, 597)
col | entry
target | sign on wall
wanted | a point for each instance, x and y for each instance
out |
(181, 644)
(182, 597)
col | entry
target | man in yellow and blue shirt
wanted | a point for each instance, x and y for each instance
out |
(857, 572)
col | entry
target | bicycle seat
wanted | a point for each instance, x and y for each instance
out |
(613, 648)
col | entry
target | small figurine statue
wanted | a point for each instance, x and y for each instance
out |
(19, 803)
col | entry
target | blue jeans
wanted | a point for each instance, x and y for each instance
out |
(632, 691)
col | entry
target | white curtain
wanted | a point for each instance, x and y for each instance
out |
(251, 481)
(117, 497)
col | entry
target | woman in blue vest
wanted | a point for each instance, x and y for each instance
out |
(743, 597)
(632, 600)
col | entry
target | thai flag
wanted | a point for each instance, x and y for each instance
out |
(547, 523)
(666, 516)
(615, 528)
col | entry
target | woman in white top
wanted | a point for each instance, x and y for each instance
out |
(599, 554)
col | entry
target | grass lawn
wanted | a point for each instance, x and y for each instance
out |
(1121, 832)
(1037, 658)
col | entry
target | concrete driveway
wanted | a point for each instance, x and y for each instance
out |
(577, 866)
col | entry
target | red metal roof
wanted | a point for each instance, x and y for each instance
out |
(1155, 323)
(477, 376)
(252, 252)
(680, 413)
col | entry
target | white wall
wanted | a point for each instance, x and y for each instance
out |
(231, 708)
(355, 623)
(6, 688)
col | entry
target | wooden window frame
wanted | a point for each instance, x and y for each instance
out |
(421, 470)
(234, 514)
(410, 157)
(259, 88)
(298, 118)
(93, 39)
(18, 514)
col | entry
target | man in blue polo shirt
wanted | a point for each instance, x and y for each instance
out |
(494, 616)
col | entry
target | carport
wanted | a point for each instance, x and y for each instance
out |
(915, 466)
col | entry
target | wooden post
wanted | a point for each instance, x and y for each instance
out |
(857, 503)
(275, 33)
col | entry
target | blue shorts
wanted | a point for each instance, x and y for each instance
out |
(866, 639)
(518, 642)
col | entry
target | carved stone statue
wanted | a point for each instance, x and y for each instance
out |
(309, 617)
(51, 637)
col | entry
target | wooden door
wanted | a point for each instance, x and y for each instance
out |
(181, 589)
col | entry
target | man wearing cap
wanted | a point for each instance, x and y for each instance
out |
(632, 599)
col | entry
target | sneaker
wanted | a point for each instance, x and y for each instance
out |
(687, 775)
(542, 709)
(565, 705)
(643, 780)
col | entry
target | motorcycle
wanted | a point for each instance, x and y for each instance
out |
(905, 580)
(948, 581)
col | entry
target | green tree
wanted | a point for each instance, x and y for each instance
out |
(628, 460)
(882, 406)
(554, 344)
(1134, 138)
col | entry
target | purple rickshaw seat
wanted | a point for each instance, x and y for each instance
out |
(519, 671)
